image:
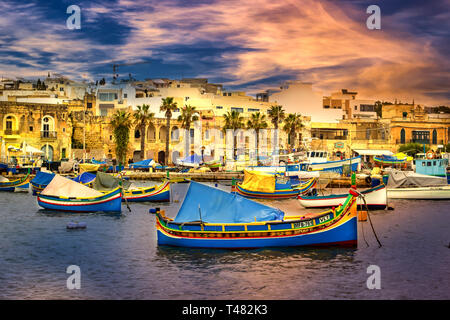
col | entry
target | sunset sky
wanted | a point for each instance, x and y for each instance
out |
(246, 45)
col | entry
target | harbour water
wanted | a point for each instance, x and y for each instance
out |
(119, 258)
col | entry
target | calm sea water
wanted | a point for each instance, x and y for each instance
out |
(119, 257)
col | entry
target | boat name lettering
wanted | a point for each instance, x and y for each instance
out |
(303, 224)
(325, 218)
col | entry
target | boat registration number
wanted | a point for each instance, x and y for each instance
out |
(324, 218)
(303, 224)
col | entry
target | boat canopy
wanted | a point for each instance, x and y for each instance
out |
(264, 182)
(144, 164)
(88, 167)
(193, 158)
(85, 177)
(43, 178)
(257, 181)
(405, 179)
(106, 182)
(64, 187)
(213, 205)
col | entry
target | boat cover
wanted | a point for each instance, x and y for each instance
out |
(147, 163)
(64, 187)
(194, 159)
(85, 177)
(3, 179)
(218, 206)
(405, 179)
(43, 178)
(106, 182)
(256, 181)
(88, 167)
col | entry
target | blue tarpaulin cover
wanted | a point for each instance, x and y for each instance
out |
(85, 177)
(218, 206)
(147, 163)
(43, 178)
(194, 158)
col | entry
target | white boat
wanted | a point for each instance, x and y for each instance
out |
(411, 185)
(375, 198)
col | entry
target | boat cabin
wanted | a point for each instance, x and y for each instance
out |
(317, 156)
(432, 167)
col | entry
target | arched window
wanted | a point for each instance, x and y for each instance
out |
(162, 134)
(434, 136)
(48, 127)
(402, 136)
(175, 134)
(10, 124)
(151, 133)
(137, 134)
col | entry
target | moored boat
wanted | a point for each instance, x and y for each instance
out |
(212, 218)
(415, 186)
(41, 181)
(63, 194)
(375, 199)
(268, 186)
(159, 193)
(7, 185)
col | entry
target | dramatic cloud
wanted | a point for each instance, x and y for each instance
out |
(247, 45)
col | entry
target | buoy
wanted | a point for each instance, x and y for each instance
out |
(362, 215)
(76, 225)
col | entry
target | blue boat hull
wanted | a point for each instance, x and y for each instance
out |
(345, 234)
(108, 203)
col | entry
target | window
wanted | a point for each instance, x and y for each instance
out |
(107, 96)
(421, 136)
(240, 110)
(219, 107)
(434, 136)
(356, 108)
(125, 95)
(89, 105)
(402, 136)
(31, 129)
(367, 108)
(253, 110)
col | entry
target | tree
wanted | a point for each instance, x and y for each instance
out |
(233, 121)
(257, 122)
(168, 106)
(292, 124)
(379, 109)
(121, 123)
(187, 116)
(412, 148)
(142, 118)
(276, 115)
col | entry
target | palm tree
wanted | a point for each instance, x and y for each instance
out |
(168, 106)
(234, 121)
(121, 124)
(257, 122)
(142, 118)
(292, 124)
(276, 115)
(187, 116)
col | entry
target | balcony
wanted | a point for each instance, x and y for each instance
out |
(49, 135)
(10, 132)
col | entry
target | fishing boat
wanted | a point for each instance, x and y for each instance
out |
(336, 166)
(212, 218)
(375, 198)
(416, 186)
(268, 186)
(159, 193)
(193, 161)
(143, 164)
(432, 167)
(11, 185)
(41, 181)
(64, 194)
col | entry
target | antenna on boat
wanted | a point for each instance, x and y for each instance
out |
(200, 212)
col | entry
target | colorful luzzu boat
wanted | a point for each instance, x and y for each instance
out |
(12, 185)
(212, 218)
(41, 181)
(159, 193)
(63, 194)
(386, 159)
(257, 185)
(375, 198)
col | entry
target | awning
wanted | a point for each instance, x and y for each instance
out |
(373, 152)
